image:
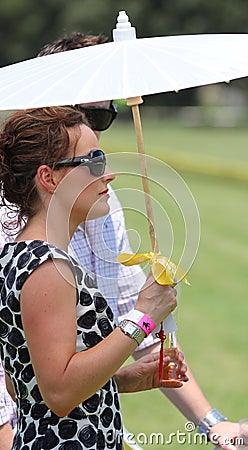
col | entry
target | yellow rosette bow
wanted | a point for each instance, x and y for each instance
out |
(164, 270)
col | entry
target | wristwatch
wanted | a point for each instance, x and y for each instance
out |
(212, 418)
(132, 330)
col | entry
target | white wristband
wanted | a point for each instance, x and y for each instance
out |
(134, 315)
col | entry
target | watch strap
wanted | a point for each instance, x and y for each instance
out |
(212, 418)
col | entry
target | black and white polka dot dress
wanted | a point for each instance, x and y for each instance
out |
(95, 423)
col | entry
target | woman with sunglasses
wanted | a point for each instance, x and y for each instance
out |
(59, 347)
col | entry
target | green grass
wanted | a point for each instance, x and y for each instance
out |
(219, 151)
(213, 312)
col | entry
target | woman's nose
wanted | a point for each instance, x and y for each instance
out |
(108, 175)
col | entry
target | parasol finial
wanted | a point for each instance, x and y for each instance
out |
(123, 31)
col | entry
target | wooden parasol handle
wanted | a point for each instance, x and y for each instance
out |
(134, 102)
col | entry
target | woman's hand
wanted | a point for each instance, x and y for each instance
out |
(142, 375)
(155, 300)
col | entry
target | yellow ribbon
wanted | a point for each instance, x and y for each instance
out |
(164, 270)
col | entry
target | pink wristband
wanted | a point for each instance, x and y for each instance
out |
(142, 320)
(146, 324)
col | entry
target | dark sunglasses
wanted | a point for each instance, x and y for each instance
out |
(99, 118)
(95, 160)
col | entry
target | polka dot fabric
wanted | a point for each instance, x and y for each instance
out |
(94, 424)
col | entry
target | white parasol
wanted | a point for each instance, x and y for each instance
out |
(125, 69)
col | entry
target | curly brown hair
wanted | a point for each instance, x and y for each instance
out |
(29, 139)
(72, 42)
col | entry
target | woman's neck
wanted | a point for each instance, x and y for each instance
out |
(37, 228)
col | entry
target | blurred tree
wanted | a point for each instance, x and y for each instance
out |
(25, 26)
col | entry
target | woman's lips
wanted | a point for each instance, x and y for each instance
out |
(105, 192)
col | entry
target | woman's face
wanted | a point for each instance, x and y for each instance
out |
(83, 193)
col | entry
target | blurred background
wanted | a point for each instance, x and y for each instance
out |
(202, 134)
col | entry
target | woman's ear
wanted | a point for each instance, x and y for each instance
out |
(46, 178)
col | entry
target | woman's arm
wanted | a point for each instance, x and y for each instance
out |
(66, 377)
